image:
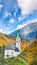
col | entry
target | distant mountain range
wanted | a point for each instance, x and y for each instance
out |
(28, 32)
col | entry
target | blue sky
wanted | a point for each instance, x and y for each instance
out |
(15, 14)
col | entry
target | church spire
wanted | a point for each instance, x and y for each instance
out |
(18, 41)
(18, 35)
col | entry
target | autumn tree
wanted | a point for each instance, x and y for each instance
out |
(32, 53)
(3, 42)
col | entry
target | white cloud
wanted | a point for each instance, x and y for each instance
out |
(32, 21)
(1, 30)
(27, 6)
(20, 26)
(1, 5)
(6, 28)
(11, 31)
(7, 14)
(14, 13)
(21, 18)
(12, 21)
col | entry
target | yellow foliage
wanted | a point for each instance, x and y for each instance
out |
(3, 40)
(32, 52)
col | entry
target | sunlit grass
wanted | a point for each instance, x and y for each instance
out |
(12, 61)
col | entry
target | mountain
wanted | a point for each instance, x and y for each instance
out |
(32, 35)
(28, 32)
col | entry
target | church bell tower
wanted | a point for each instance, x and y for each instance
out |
(18, 41)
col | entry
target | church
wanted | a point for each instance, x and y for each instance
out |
(13, 50)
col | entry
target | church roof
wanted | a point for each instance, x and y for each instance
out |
(11, 46)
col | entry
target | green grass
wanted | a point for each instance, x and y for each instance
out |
(0, 59)
(12, 61)
(16, 61)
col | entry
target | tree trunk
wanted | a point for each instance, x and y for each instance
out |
(3, 55)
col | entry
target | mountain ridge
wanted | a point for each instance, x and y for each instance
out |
(25, 31)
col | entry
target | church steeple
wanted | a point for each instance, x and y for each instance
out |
(18, 36)
(18, 41)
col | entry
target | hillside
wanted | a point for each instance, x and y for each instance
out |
(3, 40)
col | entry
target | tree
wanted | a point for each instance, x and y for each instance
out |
(3, 42)
(32, 53)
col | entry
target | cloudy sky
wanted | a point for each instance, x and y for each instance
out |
(15, 14)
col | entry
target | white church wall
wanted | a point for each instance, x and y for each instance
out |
(16, 54)
(8, 53)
